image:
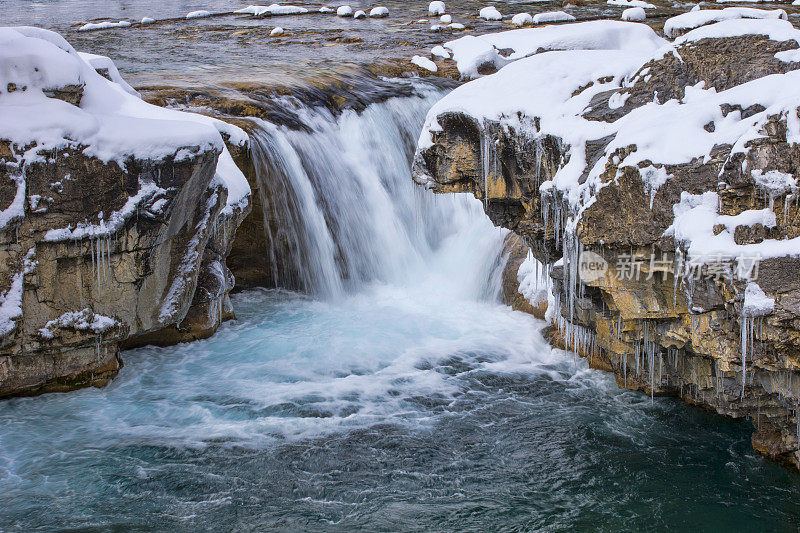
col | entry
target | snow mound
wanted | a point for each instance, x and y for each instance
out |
(276, 31)
(490, 13)
(694, 19)
(446, 19)
(344, 11)
(634, 14)
(147, 20)
(552, 16)
(359, 14)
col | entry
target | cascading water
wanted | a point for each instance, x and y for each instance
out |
(395, 394)
(342, 211)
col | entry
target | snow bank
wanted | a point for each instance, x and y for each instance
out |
(490, 13)
(470, 52)
(694, 19)
(552, 16)
(521, 19)
(111, 122)
(634, 14)
(436, 8)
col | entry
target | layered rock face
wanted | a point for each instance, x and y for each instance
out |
(659, 190)
(116, 220)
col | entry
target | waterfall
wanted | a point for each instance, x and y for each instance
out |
(342, 212)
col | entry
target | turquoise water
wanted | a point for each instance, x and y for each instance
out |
(386, 410)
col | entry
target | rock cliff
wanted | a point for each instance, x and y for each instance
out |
(116, 217)
(659, 190)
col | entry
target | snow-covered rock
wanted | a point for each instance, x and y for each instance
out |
(634, 14)
(104, 25)
(359, 14)
(273, 10)
(436, 8)
(425, 63)
(147, 20)
(440, 51)
(631, 3)
(446, 19)
(276, 31)
(490, 13)
(680, 24)
(202, 13)
(552, 16)
(521, 19)
(113, 204)
(379, 12)
(344, 11)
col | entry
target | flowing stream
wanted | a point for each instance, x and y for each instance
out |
(388, 390)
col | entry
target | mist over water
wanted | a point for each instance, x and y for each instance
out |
(389, 391)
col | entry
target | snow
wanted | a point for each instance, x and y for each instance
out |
(111, 123)
(359, 15)
(457, 26)
(774, 181)
(756, 303)
(98, 62)
(471, 51)
(276, 31)
(521, 19)
(379, 12)
(631, 3)
(490, 13)
(326, 9)
(344, 11)
(425, 63)
(147, 20)
(198, 14)
(446, 19)
(634, 14)
(652, 179)
(11, 304)
(83, 320)
(104, 25)
(436, 8)
(552, 16)
(773, 28)
(440, 51)
(789, 56)
(272, 9)
(694, 19)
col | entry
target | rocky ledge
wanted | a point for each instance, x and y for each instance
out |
(654, 181)
(116, 217)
